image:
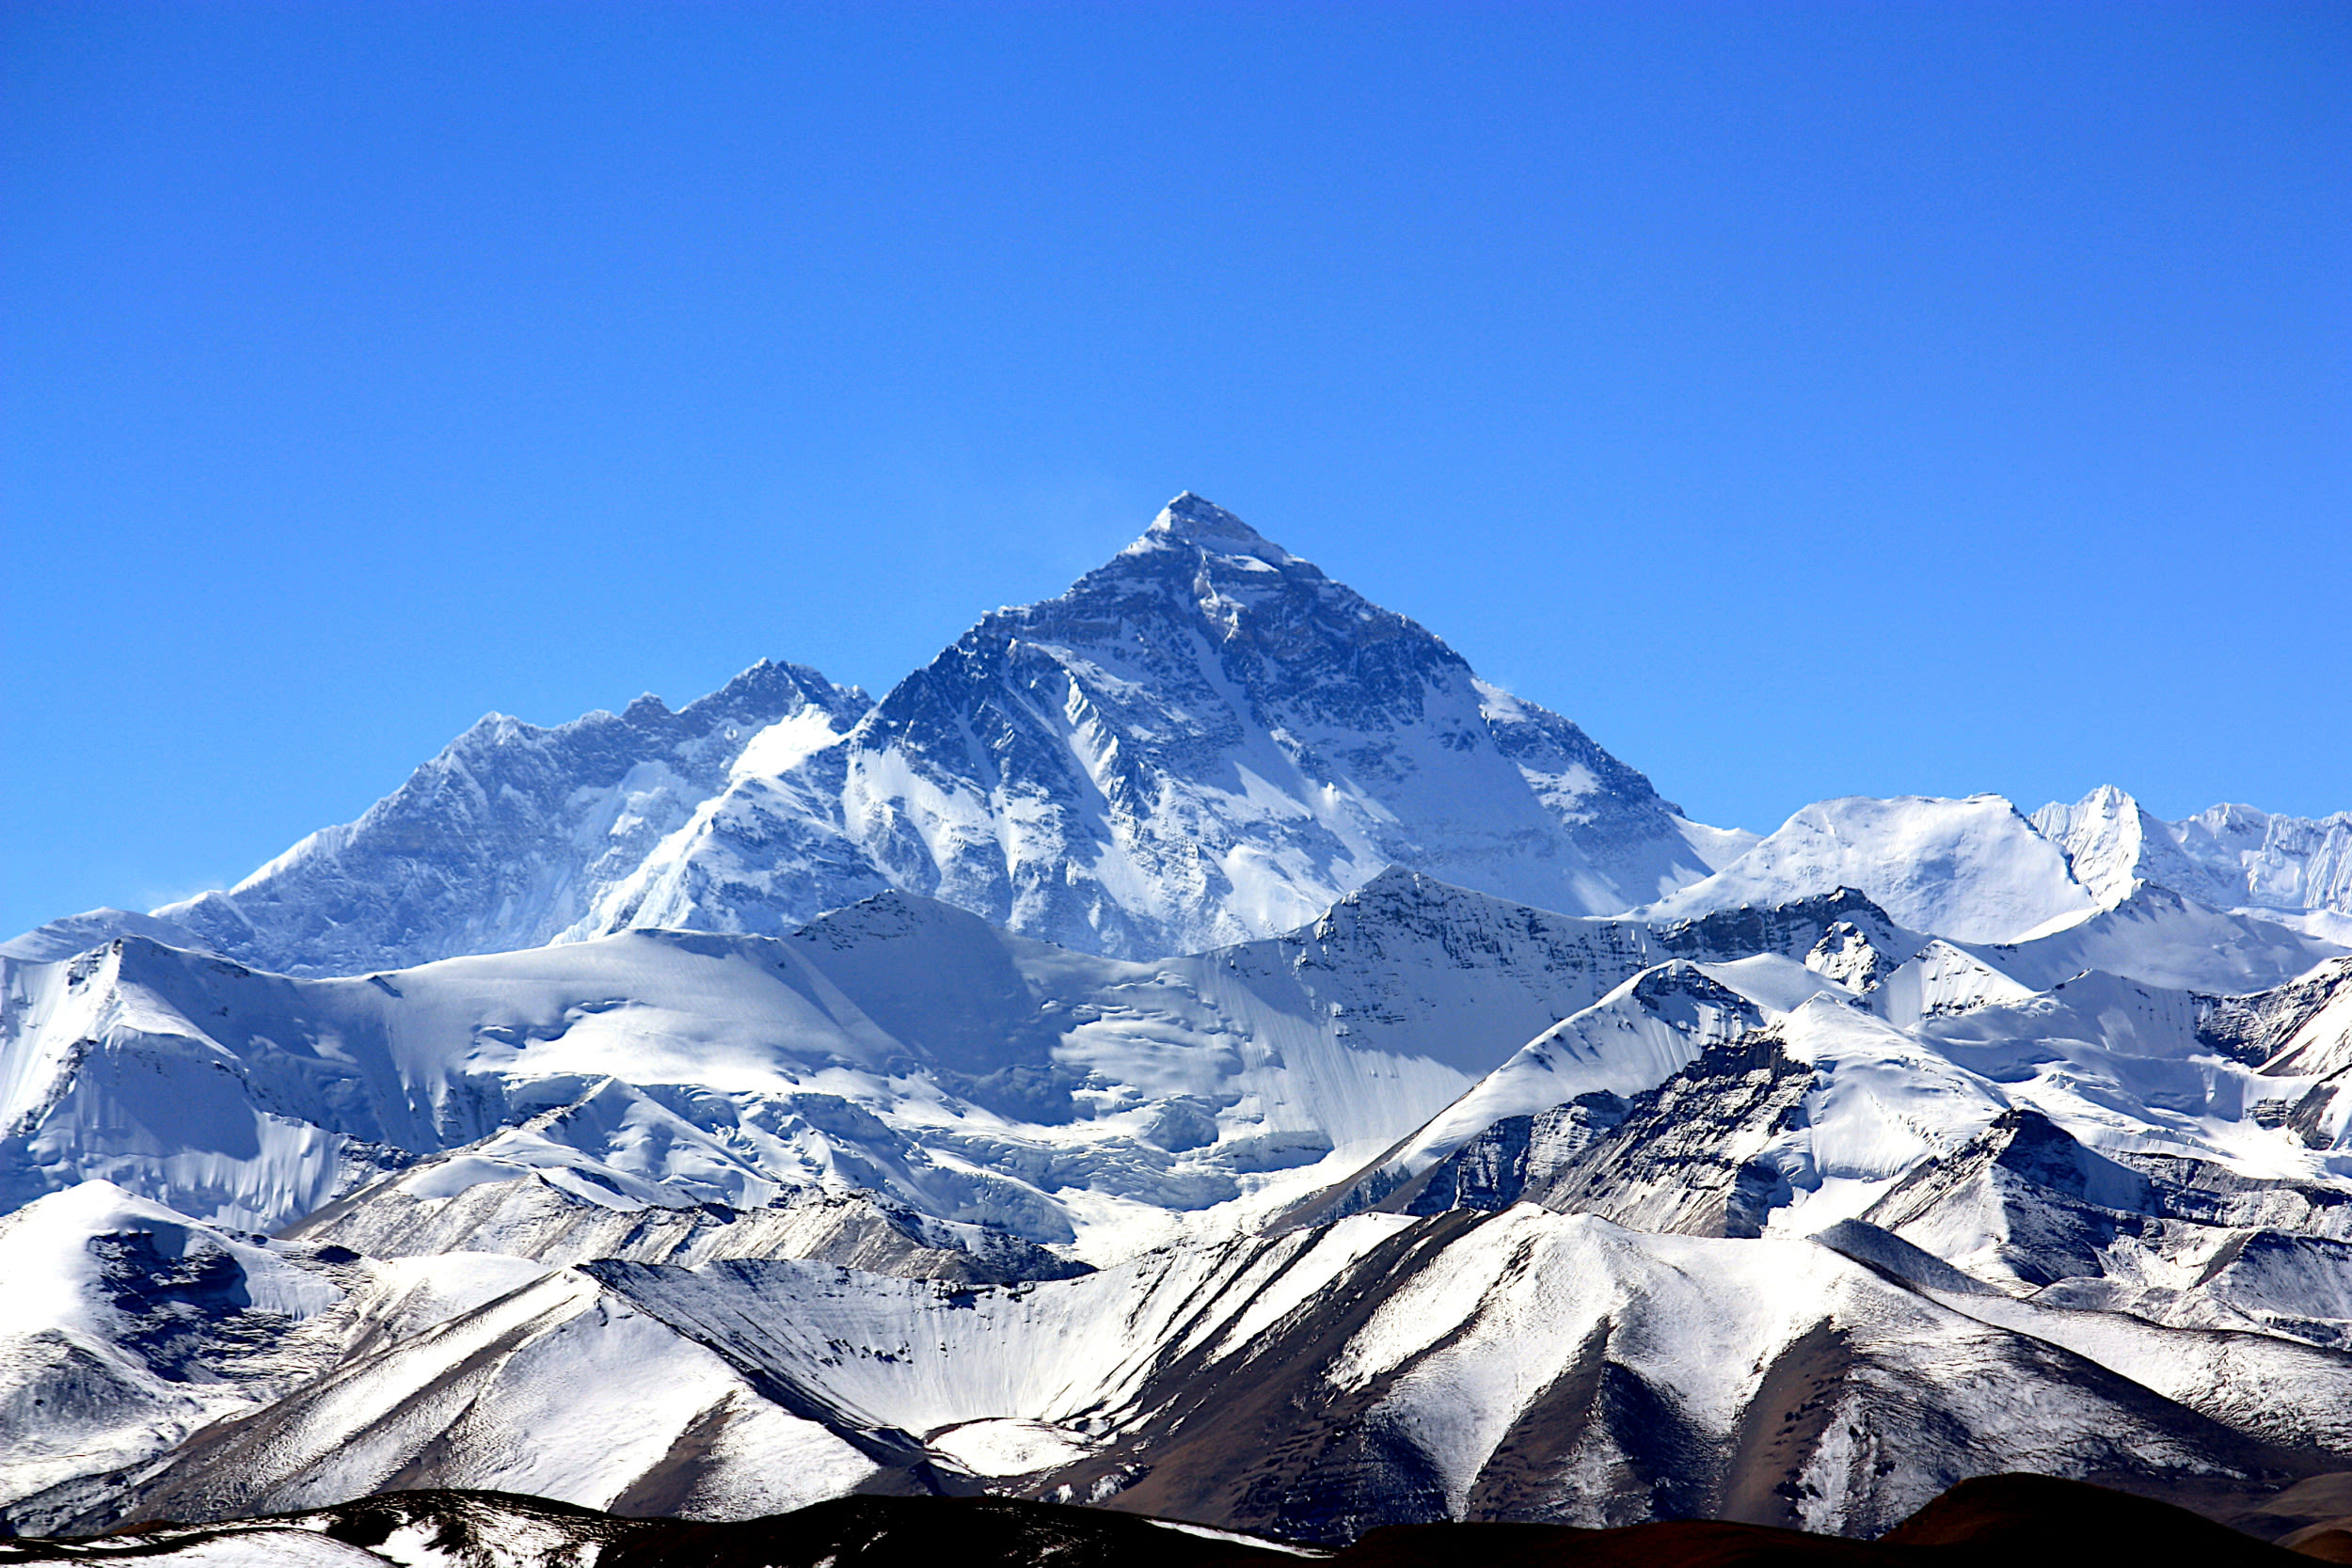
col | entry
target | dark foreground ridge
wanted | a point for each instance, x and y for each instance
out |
(2009, 1520)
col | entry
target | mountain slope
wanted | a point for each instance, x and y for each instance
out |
(900, 1046)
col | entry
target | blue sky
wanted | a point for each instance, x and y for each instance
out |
(1809, 399)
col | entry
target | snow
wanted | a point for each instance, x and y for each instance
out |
(787, 743)
(1236, 1537)
(1883, 1100)
(577, 1383)
(1939, 980)
(2280, 862)
(78, 1331)
(78, 933)
(1629, 1041)
(1973, 870)
(2163, 939)
(53, 1275)
(655, 1069)
(268, 1549)
(1010, 1446)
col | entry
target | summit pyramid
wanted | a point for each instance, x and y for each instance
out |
(1203, 740)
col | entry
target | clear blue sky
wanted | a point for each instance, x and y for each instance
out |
(1807, 399)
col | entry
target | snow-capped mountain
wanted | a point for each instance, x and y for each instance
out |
(1974, 869)
(1193, 1048)
(1978, 872)
(1202, 741)
(1526, 1365)
(2228, 856)
(639, 1164)
(900, 1046)
(502, 841)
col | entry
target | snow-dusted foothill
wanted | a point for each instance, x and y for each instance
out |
(125, 1326)
(1310, 1386)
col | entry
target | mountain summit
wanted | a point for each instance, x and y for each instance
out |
(1190, 519)
(1203, 740)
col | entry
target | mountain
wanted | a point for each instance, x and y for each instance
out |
(1990, 1521)
(705, 1202)
(1974, 870)
(127, 1327)
(900, 1046)
(1377, 1370)
(502, 841)
(2227, 856)
(680, 1096)
(1194, 1049)
(2112, 844)
(985, 1092)
(70, 934)
(2156, 935)
(2283, 863)
(1202, 741)
(2098, 885)
(494, 1530)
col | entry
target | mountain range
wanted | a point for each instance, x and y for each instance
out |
(1193, 1048)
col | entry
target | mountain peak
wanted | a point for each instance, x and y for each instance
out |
(1190, 519)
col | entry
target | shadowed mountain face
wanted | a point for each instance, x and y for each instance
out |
(1995, 1522)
